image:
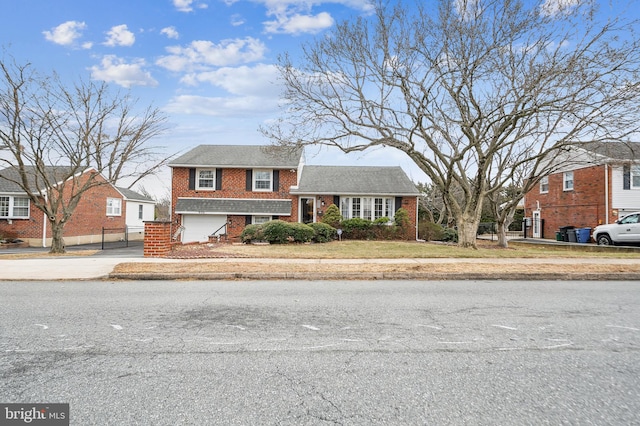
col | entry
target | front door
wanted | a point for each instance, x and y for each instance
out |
(536, 224)
(307, 206)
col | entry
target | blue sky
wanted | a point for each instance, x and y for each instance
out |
(208, 64)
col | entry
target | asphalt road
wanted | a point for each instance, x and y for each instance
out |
(297, 353)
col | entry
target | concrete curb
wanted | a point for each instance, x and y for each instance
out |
(372, 276)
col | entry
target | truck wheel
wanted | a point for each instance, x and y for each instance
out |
(604, 240)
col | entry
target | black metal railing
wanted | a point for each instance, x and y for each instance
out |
(115, 238)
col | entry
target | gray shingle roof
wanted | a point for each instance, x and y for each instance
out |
(133, 195)
(240, 156)
(614, 150)
(9, 175)
(355, 180)
(234, 206)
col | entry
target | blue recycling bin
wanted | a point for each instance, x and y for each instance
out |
(583, 235)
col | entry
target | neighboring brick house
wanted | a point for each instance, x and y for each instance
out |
(597, 183)
(103, 206)
(220, 189)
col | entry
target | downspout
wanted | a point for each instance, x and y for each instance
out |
(417, 202)
(44, 229)
(44, 225)
(606, 193)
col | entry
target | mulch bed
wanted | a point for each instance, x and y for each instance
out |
(202, 251)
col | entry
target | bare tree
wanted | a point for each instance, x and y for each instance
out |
(461, 86)
(54, 134)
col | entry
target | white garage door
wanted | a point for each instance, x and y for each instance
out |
(198, 227)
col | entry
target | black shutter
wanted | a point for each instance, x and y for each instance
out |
(274, 217)
(626, 176)
(249, 180)
(398, 203)
(247, 220)
(276, 180)
(192, 179)
(336, 200)
(218, 179)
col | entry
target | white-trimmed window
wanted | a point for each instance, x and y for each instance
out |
(262, 180)
(544, 185)
(114, 207)
(366, 208)
(14, 207)
(635, 176)
(140, 211)
(567, 179)
(206, 179)
(257, 220)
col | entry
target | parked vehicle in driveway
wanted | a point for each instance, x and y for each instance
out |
(624, 230)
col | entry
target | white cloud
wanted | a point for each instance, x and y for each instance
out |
(220, 106)
(297, 24)
(66, 33)
(203, 54)
(296, 17)
(120, 36)
(115, 70)
(260, 80)
(170, 32)
(557, 7)
(237, 20)
(187, 5)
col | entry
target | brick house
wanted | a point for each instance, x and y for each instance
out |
(103, 206)
(596, 183)
(220, 189)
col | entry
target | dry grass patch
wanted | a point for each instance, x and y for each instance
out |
(44, 255)
(351, 268)
(389, 250)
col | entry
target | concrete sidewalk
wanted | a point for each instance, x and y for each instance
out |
(101, 267)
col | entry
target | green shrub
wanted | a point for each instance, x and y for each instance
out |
(252, 233)
(384, 231)
(382, 221)
(450, 235)
(401, 218)
(300, 232)
(332, 216)
(323, 233)
(276, 232)
(430, 231)
(281, 232)
(357, 229)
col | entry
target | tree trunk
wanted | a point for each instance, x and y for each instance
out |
(502, 235)
(504, 221)
(57, 240)
(467, 231)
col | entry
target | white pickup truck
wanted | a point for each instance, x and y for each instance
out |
(622, 231)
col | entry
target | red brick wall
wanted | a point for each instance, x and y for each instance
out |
(582, 207)
(233, 186)
(410, 204)
(157, 239)
(23, 228)
(89, 217)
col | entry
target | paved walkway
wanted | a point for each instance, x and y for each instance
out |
(101, 266)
